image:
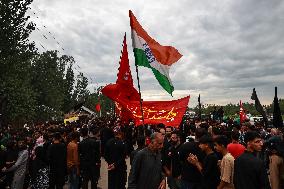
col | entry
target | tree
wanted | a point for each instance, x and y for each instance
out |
(81, 92)
(69, 81)
(15, 61)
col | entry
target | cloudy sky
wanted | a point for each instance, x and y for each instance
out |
(229, 47)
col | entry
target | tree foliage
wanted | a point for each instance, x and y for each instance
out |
(33, 86)
(16, 52)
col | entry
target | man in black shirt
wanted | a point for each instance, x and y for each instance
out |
(57, 154)
(249, 171)
(171, 163)
(115, 155)
(89, 155)
(209, 168)
(190, 175)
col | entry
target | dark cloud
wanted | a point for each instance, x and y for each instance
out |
(228, 47)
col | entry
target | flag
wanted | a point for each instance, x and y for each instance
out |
(243, 115)
(98, 107)
(259, 107)
(123, 88)
(151, 54)
(277, 117)
(170, 113)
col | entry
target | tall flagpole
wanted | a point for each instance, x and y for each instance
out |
(141, 108)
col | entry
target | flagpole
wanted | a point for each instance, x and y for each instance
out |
(199, 105)
(240, 112)
(141, 108)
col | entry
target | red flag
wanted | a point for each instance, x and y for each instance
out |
(170, 113)
(123, 89)
(98, 107)
(243, 115)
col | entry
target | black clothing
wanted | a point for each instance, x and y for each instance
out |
(189, 172)
(105, 135)
(146, 170)
(164, 150)
(115, 153)
(250, 173)
(128, 130)
(133, 154)
(172, 161)
(58, 166)
(90, 160)
(184, 129)
(210, 172)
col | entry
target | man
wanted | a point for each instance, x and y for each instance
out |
(227, 163)
(73, 161)
(57, 161)
(209, 168)
(19, 167)
(115, 155)
(191, 177)
(89, 154)
(235, 148)
(146, 170)
(171, 163)
(249, 171)
(95, 135)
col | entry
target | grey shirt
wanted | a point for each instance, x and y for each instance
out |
(146, 170)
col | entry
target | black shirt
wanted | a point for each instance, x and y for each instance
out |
(189, 172)
(57, 158)
(115, 152)
(172, 160)
(210, 172)
(250, 173)
(89, 153)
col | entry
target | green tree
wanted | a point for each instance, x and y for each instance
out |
(16, 52)
(81, 92)
(69, 81)
(48, 82)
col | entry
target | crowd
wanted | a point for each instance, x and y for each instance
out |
(199, 154)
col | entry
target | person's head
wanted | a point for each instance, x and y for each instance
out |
(57, 136)
(235, 135)
(168, 131)
(206, 143)
(157, 141)
(221, 143)
(199, 132)
(118, 134)
(75, 136)
(174, 138)
(140, 142)
(22, 144)
(95, 131)
(274, 132)
(253, 141)
(162, 131)
(84, 132)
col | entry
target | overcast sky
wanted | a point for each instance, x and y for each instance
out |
(229, 47)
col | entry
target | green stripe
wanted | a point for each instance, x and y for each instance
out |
(141, 60)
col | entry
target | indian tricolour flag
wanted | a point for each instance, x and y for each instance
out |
(151, 54)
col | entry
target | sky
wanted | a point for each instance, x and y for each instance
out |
(229, 47)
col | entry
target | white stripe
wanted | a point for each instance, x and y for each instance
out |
(137, 42)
